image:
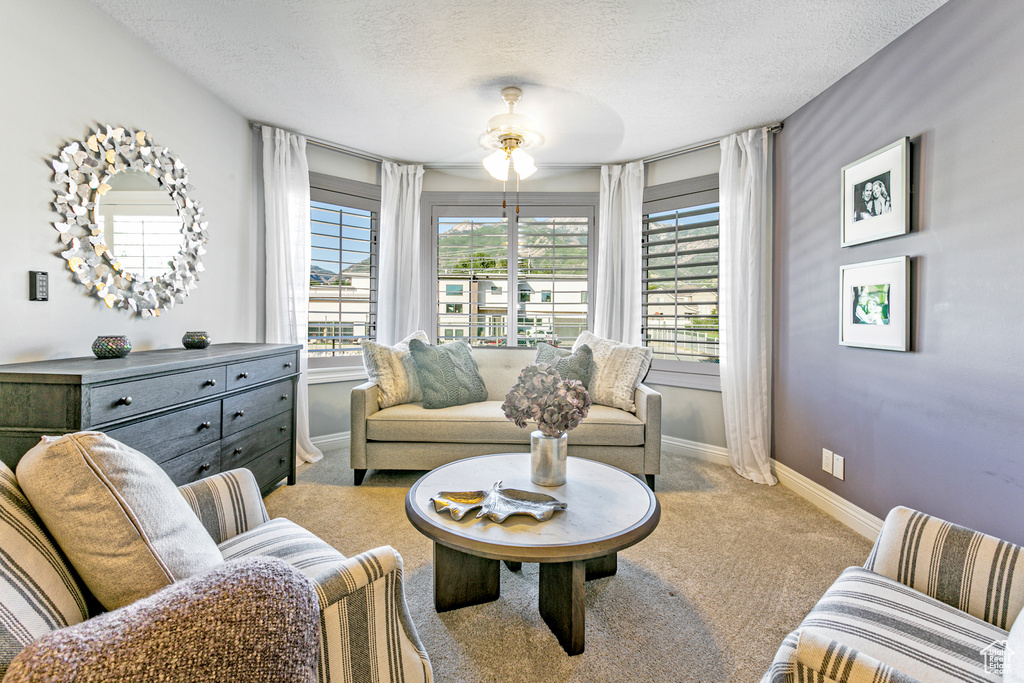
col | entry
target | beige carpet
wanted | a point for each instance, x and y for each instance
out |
(731, 569)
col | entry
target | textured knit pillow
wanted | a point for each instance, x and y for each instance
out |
(251, 620)
(392, 369)
(121, 521)
(619, 368)
(577, 364)
(38, 590)
(448, 374)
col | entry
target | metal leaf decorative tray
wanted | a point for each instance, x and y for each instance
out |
(498, 503)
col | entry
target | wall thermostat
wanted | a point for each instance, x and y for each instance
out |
(38, 285)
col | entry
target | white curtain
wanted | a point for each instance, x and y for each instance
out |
(403, 296)
(619, 227)
(286, 194)
(745, 301)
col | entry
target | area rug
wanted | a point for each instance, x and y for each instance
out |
(731, 569)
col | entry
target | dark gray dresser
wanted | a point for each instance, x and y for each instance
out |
(194, 411)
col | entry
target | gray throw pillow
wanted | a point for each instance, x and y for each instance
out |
(448, 374)
(578, 364)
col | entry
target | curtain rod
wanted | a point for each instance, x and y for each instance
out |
(360, 154)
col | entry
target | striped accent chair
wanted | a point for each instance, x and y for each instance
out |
(366, 633)
(933, 602)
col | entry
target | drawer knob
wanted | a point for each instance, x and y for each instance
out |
(284, 429)
(237, 451)
(210, 383)
(281, 461)
(205, 425)
(244, 375)
(284, 397)
(239, 413)
(205, 467)
(124, 401)
(287, 365)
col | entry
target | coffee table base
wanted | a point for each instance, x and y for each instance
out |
(461, 580)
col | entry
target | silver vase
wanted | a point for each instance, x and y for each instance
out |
(547, 458)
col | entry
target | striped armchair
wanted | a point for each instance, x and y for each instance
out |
(933, 602)
(366, 633)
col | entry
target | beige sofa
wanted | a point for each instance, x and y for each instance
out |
(410, 437)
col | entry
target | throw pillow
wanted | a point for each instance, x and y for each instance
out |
(1013, 664)
(448, 374)
(619, 368)
(577, 364)
(392, 369)
(121, 521)
(40, 591)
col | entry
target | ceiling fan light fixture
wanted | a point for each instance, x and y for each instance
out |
(496, 164)
(510, 134)
(523, 163)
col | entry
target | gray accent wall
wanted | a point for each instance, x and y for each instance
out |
(940, 428)
(68, 67)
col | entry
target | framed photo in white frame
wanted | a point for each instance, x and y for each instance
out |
(876, 195)
(874, 304)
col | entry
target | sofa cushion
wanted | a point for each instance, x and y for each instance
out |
(393, 370)
(285, 540)
(117, 516)
(448, 374)
(40, 591)
(484, 422)
(577, 364)
(618, 369)
(252, 620)
(904, 629)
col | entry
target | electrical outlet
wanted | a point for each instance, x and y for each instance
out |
(826, 460)
(838, 466)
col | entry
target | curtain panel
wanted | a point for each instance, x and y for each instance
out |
(403, 290)
(286, 195)
(617, 312)
(745, 301)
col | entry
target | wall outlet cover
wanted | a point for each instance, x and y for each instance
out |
(826, 460)
(838, 466)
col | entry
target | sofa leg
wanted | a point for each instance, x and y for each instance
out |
(357, 477)
(650, 481)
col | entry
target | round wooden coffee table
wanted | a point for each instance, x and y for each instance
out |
(608, 510)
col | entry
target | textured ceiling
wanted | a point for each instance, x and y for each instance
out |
(606, 80)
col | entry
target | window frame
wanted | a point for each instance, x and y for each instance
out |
(676, 195)
(357, 195)
(436, 204)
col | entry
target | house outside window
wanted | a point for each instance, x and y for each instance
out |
(453, 290)
(500, 261)
(343, 272)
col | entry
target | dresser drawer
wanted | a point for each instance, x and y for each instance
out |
(116, 401)
(240, 448)
(196, 464)
(244, 410)
(167, 436)
(262, 369)
(271, 467)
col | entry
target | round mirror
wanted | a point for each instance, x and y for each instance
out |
(140, 225)
(132, 234)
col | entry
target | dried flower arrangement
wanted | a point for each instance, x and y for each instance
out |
(541, 395)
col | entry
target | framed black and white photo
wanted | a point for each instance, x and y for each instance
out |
(873, 304)
(876, 195)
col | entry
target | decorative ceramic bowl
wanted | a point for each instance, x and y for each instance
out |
(195, 340)
(113, 346)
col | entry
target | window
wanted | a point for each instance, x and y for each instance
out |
(523, 255)
(453, 290)
(343, 270)
(453, 308)
(680, 271)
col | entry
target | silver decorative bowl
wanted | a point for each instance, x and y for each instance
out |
(111, 346)
(195, 340)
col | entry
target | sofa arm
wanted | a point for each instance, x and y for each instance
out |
(822, 659)
(971, 571)
(648, 410)
(366, 593)
(250, 620)
(227, 504)
(362, 404)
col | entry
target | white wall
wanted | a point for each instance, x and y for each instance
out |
(68, 67)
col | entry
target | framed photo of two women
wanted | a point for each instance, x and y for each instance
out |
(875, 198)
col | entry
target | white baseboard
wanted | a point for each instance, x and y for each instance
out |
(329, 442)
(858, 519)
